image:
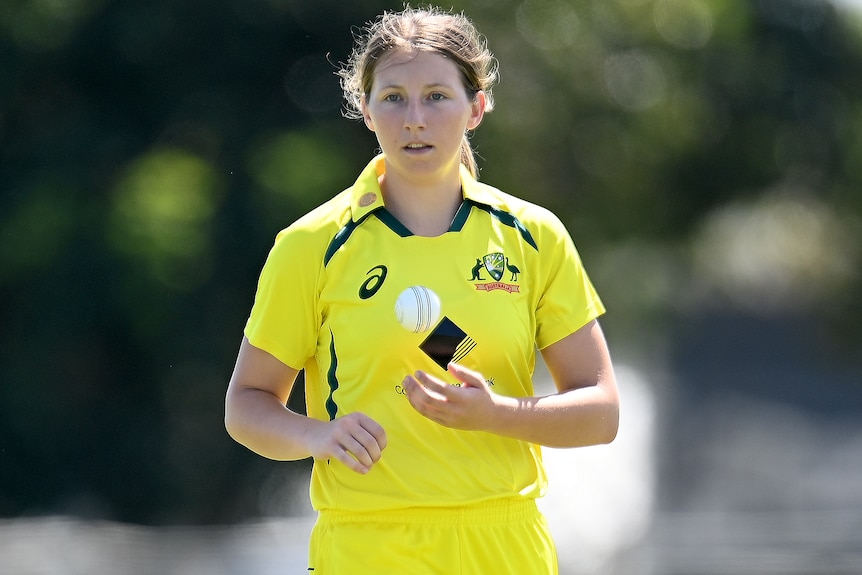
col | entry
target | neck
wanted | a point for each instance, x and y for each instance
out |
(424, 210)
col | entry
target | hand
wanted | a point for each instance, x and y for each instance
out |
(355, 440)
(469, 406)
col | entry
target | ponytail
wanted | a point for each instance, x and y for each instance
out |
(468, 158)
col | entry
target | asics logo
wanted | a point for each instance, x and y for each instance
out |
(376, 277)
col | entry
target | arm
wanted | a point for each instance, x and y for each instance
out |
(584, 411)
(256, 416)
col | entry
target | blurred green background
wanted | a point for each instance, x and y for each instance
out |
(706, 156)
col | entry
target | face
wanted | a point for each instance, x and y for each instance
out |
(419, 110)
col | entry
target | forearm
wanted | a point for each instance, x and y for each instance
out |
(260, 422)
(578, 415)
(573, 418)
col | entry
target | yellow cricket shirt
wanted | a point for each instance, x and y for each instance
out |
(509, 279)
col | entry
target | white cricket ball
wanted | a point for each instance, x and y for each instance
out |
(417, 309)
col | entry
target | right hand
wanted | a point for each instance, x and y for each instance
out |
(354, 439)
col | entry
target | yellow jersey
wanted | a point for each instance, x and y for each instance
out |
(509, 280)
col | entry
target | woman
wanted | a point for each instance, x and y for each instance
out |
(426, 439)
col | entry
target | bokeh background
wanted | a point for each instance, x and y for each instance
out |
(706, 156)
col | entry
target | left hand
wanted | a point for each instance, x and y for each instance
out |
(469, 406)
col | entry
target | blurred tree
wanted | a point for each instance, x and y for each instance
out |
(150, 152)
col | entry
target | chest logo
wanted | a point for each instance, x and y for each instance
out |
(498, 267)
(376, 277)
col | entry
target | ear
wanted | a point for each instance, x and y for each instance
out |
(366, 116)
(477, 110)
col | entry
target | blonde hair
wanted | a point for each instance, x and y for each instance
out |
(427, 29)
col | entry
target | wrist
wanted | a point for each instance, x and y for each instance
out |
(501, 415)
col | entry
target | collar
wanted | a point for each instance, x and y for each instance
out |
(366, 196)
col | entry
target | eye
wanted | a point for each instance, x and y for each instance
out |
(391, 98)
(436, 96)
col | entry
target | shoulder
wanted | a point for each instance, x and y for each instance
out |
(319, 224)
(343, 212)
(308, 238)
(539, 220)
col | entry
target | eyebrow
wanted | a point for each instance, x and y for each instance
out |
(425, 87)
(431, 86)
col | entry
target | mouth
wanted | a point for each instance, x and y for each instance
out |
(416, 147)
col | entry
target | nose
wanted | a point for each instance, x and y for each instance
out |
(414, 115)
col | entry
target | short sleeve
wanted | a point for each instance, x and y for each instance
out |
(568, 300)
(284, 319)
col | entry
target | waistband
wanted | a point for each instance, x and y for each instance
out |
(485, 512)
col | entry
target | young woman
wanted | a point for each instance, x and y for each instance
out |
(425, 438)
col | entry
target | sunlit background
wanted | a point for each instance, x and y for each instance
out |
(706, 156)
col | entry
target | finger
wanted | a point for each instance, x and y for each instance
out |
(351, 462)
(367, 440)
(465, 375)
(359, 442)
(420, 397)
(425, 401)
(432, 386)
(367, 449)
(342, 447)
(376, 431)
(358, 451)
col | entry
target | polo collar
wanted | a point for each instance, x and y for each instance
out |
(366, 196)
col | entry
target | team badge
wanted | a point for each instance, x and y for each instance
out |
(497, 265)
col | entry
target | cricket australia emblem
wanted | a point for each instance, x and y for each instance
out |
(496, 265)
